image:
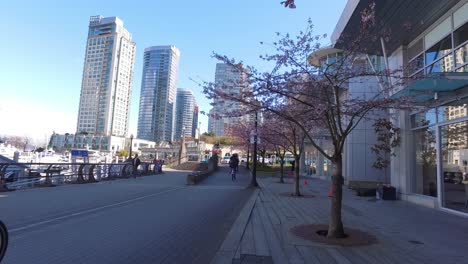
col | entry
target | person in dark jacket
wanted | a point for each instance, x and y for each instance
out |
(234, 165)
(135, 162)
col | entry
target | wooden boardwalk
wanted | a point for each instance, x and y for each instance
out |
(406, 233)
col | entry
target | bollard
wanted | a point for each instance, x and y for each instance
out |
(330, 193)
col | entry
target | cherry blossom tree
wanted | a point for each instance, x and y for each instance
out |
(318, 96)
(284, 136)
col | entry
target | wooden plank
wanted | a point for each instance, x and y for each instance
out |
(273, 240)
(308, 255)
(349, 254)
(321, 254)
(338, 257)
(260, 240)
(247, 245)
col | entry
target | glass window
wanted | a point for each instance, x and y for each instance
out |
(425, 167)
(443, 65)
(463, 69)
(454, 143)
(416, 64)
(439, 50)
(424, 118)
(415, 49)
(460, 35)
(461, 55)
(454, 110)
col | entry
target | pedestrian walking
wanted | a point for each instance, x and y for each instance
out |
(156, 165)
(161, 163)
(234, 165)
(135, 162)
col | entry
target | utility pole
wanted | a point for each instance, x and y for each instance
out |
(254, 182)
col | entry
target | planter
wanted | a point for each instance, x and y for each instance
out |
(368, 192)
(386, 192)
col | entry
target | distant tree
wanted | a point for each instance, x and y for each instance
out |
(122, 153)
(209, 134)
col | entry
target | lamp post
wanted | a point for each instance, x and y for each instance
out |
(182, 145)
(131, 144)
(254, 182)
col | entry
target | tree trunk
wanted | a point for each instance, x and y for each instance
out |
(282, 170)
(248, 156)
(296, 176)
(335, 227)
(263, 159)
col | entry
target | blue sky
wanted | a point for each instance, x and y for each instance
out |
(43, 45)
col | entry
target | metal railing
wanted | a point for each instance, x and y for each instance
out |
(27, 175)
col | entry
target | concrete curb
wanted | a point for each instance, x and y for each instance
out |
(230, 246)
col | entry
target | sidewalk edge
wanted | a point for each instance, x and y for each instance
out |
(228, 249)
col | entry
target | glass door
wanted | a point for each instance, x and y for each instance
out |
(454, 165)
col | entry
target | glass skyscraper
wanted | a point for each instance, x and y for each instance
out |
(231, 81)
(184, 113)
(107, 78)
(195, 119)
(156, 119)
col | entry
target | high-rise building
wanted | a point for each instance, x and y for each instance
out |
(184, 113)
(210, 120)
(195, 119)
(107, 78)
(232, 81)
(156, 119)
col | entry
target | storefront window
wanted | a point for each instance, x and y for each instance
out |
(454, 148)
(453, 110)
(425, 169)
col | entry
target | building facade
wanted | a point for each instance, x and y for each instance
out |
(231, 81)
(184, 113)
(156, 118)
(106, 87)
(195, 120)
(431, 164)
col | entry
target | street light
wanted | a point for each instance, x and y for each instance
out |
(131, 144)
(254, 182)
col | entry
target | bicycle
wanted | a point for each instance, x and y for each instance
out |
(233, 173)
(3, 240)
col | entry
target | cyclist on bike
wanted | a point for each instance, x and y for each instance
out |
(234, 165)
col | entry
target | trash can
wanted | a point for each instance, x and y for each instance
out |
(386, 192)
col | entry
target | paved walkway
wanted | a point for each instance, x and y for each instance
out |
(152, 219)
(406, 233)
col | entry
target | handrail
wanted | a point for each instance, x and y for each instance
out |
(52, 174)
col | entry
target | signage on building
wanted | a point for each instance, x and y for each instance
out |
(79, 153)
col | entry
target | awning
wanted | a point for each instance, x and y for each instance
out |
(405, 19)
(423, 90)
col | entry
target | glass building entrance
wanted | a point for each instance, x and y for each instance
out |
(454, 165)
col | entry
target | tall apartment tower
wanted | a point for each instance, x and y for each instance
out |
(233, 81)
(107, 78)
(156, 119)
(184, 113)
(196, 109)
